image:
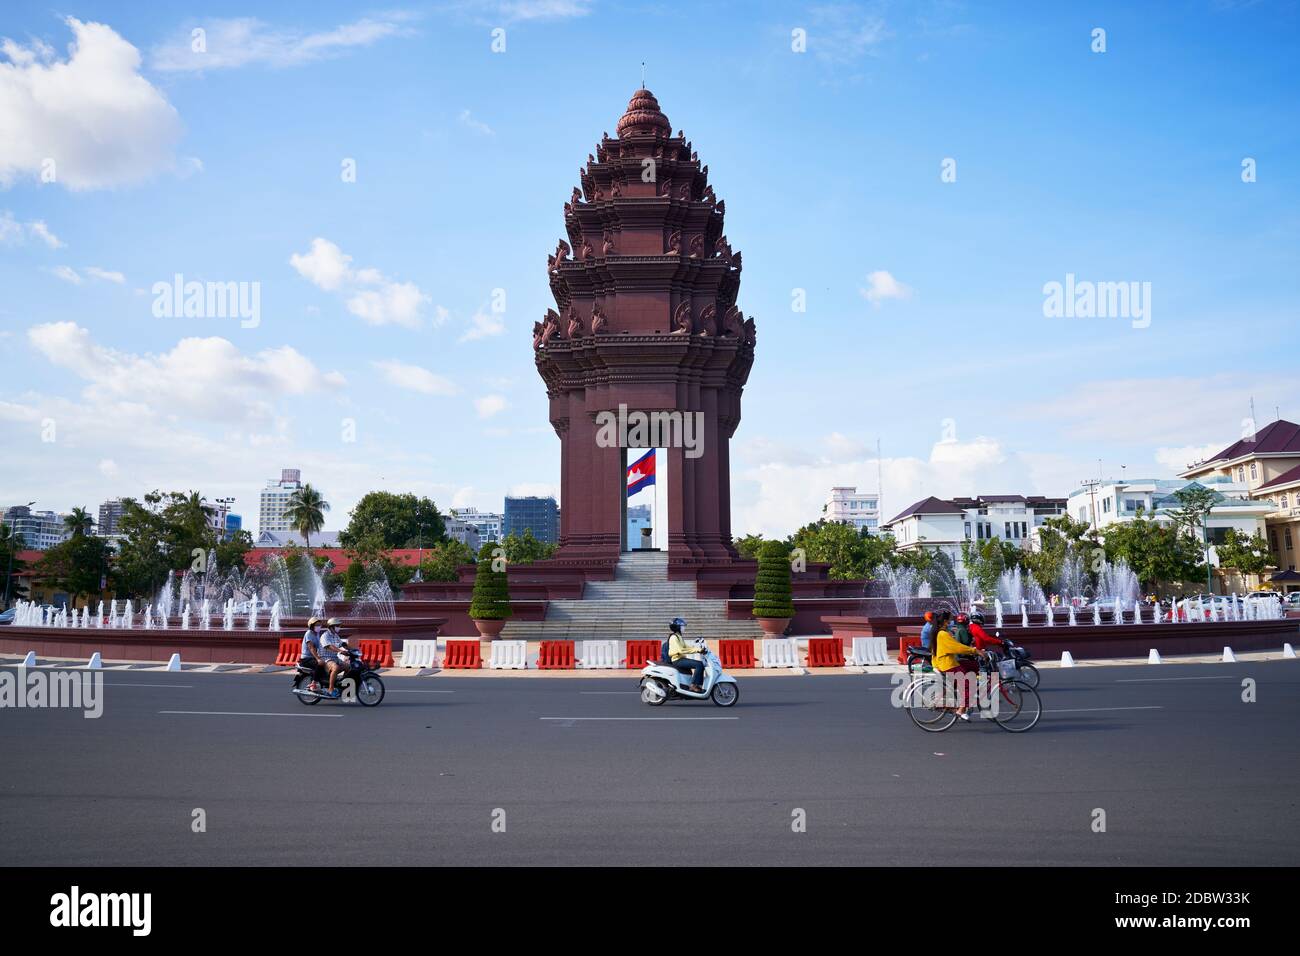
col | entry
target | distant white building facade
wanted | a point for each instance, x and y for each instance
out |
(846, 506)
(486, 526)
(275, 499)
(941, 524)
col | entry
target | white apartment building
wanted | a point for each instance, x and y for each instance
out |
(940, 524)
(41, 530)
(275, 499)
(846, 506)
(486, 523)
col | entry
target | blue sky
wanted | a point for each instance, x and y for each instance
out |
(924, 325)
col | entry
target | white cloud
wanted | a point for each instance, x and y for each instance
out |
(1174, 460)
(512, 11)
(535, 489)
(490, 405)
(882, 286)
(242, 41)
(108, 468)
(92, 119)
(106, 275)
(842, 33)
(67, 274)
(478, 126)
(209, 378)
(414, 378)
(482, 326)
(371, 296)
(13, 232)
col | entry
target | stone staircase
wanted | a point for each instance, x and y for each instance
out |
(637, 604)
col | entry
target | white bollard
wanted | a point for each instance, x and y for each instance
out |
(95, 662)
(1153, 657)
(30, 659)
(1228, 656)
(1067, 659)
(1288, 651)
(175, 663)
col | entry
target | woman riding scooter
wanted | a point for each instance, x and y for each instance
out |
(678, 657)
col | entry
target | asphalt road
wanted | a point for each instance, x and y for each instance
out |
(581, 772)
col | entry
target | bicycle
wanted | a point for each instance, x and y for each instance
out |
(1016, 706)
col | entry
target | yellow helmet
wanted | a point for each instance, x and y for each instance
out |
(332, 622)
(312, 622)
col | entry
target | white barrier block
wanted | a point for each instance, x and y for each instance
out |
(1228, 656)
(95, 662)
(1288, 651)
(30, 659)
(780, 652)
(419, 653)
(867, 651)
(509, 655)
(602, 655)
(1153, 657)
(1067, 659)
(175, 663)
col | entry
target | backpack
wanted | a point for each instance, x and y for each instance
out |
(663, 653)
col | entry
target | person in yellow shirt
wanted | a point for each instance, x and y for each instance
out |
(678, 656)
(947, 653)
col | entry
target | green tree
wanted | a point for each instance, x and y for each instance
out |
(10, 544)
(306, 512)
(78, 522)
(443, 560)
(491, 598)
(230, 553)
(354, 580)
(525, 549)
(1157, 553)
(385, 520)
(747, 547)
(772, 591)
(1244, 553)
(76, 565)
(985, 561)
(852, 553)
(142, 560)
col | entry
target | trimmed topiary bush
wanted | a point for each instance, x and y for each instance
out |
(491, 598)
(772, 585)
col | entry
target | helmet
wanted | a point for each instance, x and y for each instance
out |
(332, 622)
(929, 615)
(676, 624)
(963, 618)
(312, 622)
(977, 617)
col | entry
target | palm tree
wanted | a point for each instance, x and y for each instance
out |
(306, 512)
(79, 522)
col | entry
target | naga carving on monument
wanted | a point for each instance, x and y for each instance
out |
(598, 319)
(577, 196)
(733, 323)
(751, 332)
(697, 245)
(675, 243)
(550, 328)
(682, 319)
(708, 324)
(575, 324)
(722, 249)
(587, 251)
(607, 244)
(554, 262)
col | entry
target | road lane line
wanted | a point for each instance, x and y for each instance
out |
(1080, 710)
(395, 691)
(110, 683)
(596, 692)
(571, 719)
(1151, 680)
(240, 713)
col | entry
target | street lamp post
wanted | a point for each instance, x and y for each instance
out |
(13, 546)
(1205, 536)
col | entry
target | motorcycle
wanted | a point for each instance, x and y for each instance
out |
(661, 682)
(355, 681)
(1018, 657)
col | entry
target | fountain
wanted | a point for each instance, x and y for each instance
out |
(1072, 620)
(275, 616)
(185, 618)
(997, 610)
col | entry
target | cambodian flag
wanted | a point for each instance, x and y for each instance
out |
(641, 473)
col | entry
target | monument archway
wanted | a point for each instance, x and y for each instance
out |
(646, 330)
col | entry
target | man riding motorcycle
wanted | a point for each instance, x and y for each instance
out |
(330, 645)
(310, 655)
(678, 657)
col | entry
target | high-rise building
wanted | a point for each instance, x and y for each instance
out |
(41, 530)
(539, 515)
(110, 513)
(275, 499)
(638, 517)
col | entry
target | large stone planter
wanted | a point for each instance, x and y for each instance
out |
(489, 630)
(773, 626)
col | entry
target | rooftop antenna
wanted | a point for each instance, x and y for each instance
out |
(643, 74)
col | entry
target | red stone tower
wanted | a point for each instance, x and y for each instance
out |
(645, 292)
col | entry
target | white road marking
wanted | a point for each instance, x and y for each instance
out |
(110, 683)
(421, 692)
(1151, 680)
(240, 713)
(598, 692)
(1080, 710)
(638, 718)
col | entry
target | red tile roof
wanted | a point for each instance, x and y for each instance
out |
(338, 557)
(1285, 478)
(1279, 436)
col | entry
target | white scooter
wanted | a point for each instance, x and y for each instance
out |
(663, 682)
